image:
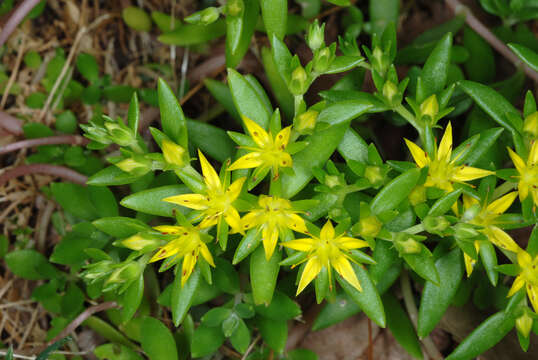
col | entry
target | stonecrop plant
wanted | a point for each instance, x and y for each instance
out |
(290, 202)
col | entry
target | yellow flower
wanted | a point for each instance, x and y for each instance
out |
(273, 216)
(443, 171)
(487, 218)
(217, 202)
(327, 250)
(270, 152)
(528, 173)
(188, 245)
(527, 277)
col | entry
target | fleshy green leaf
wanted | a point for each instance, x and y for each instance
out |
(157, 341)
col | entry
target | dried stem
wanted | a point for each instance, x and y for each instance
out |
(457, 7)
(51, 140)
(10, 123)
(54, 170)
(16, 17)
(14, 72)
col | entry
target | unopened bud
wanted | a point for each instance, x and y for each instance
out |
(374, 175)
(173, 153)
(299, 81)
(120, 134)
(380, 61)
(390, 90)
(139, 242)
(204, 17)
(408, 246)
(234, 7)
(430, 107)
(530, 125)
(306, 122)
(323, 59)
(524, 324)
(436, 224)
(332, 181)
(315, 37)
(125, 273)
(367, 226)
(138, 166)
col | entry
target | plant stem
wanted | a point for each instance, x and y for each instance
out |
(411, 308)
(457, 7)
(51, 140)
(47, 169)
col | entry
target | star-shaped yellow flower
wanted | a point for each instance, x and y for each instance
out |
(329, 251)
(270, 152)
(273, 216)
(528, 173)
(527, 277)
(187, 246)
(487, 217)
(217, 202)
(443, 170)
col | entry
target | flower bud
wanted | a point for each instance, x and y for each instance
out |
(138, 166)
(465, 231)
(121, 135)
(390, 92)
(299, 81)
(380, 61)
(173, 153)
(306, 122)
(315, 37)
(204, 17)
(408, 245)
(126, 273)
(530, 125)
(430, 107)
(436, 224)
(374, 175)
(322, 60)
(139, 242)
(368, 226)
(524, 324)
(234, 7)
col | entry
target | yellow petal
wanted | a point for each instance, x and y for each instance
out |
(344, 268)
(524, 259)
(164, 252)
(327, 231)
(533, 154)
(206, 254)
(234, 189)
(523, 190)
(532, 292)
(445, 147)
(250, 220)
(349, 243)
(469, 264)
(304, 245)
(211, 178)
(501, 239)
(296, 223)
(170, 229)
(282, 138)
(311, 270)
(258, 134)
(191, 201)
(233, 219)
(188, 265)
(517, 160)
(534, 193)
(502, 204)
(419, 155)
(468, 201)
(467, 173)
(516, 286)
(270, 238)
(209, 221)
(285, 160)
(250, 160)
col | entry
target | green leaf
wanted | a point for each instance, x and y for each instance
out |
(172, 118)
(103, 201)
(248, 244)
(239, 31)
(341, 112)
(435, 70)
(115, 352)
(240, 339)
(216, 316)
(263, 275)
(302, 354)
(400, 326)
(274, 333)
(344, 63)
(442, 205)
(247, 99)
(119, 226)
(422, 263)
(221, 92)
(337, 309)
(480, 66)
(136, 18)
(280, 308)
(30, 264)
(44, 355)
(486, 140)
(226, 278)
(320, 147)
(150, 201)
(109, 332)
(353, 147)
(383, 12)
(489, 260)
(437, 297)
(532, 246)
(278, 87)
(368, 299)
(392, 194)
(206, 340)
(527, 55)
(485, 336)
(192, 34)
(133, 115)
(111, 175)
(275, 16)
(157, 341)
(70, 250)
(87, 66)
(436, 33)
(131, 299)
(118, 93)
(74, 199)
(182, 297)
(219, 148)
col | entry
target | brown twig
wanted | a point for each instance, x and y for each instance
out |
(14, 73)
(198, 86)
(16, 17)
(458, 8)
(54, 170)
(10, 123)
(80, 319)
(51, 140)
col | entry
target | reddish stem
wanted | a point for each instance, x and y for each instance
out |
(16, 17)
(54, 170)
(51, 140)
(10, 123)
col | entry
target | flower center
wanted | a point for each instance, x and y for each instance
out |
(441, 172)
